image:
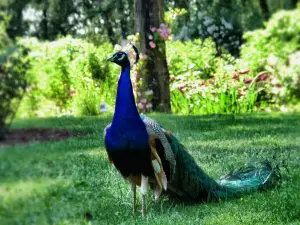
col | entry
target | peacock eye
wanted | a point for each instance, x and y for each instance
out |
(121, 57)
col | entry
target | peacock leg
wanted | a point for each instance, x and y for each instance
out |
(144, 187)
(143, 206)
(133, 189)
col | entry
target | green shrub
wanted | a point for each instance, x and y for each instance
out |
(13, 66)
(195, 59)
(280, 38)
(68, 76)
(203, 83)
(276, 51)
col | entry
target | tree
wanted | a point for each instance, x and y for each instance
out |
(13, 66)
(149, 14)
(14, 9)
(264, 8)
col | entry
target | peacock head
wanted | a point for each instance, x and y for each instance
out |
(121, 58)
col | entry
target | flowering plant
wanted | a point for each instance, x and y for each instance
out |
(159, 33)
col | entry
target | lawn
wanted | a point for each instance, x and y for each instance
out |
(72, 182)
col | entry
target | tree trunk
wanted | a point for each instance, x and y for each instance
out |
(44, 22)
(148, 14)
(3, 130)
(264, 8)
(294, 3)
(109, 28)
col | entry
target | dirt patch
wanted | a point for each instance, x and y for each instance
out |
(23, 136)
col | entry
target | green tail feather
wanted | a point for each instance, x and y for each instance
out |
(190, 182)
(250, 178)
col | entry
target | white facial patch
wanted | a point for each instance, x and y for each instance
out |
(121, 58)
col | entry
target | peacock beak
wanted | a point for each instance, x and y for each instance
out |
(111, 59)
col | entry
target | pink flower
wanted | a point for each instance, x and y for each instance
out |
(143, 57)
(143, 100)
(153, 29)
(164, 31)
(244, 71)
(73, 92)
(263, 76)
(172, 78)
(134, 73)
(247, 80)
(152, 44)
(181, 88)
(140, 106)
(149, 105)
(236, 76)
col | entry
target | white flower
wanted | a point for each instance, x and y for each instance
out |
(283, 109)
(275, 81)
(272, 60)
(117, 47)
(149, 92)
(294, 59)
(275, 90)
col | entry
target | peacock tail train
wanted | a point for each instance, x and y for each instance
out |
(190, 183)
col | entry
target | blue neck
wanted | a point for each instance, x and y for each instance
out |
(126, 113)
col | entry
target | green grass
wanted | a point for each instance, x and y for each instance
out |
(59, 182)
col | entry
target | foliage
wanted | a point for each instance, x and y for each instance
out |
(222, 21)
(107, 20)
(40, 179)
(69, 76)
(4, 39)
(14, 64)
(276, 51)
(266, 77)
(204, 83)
(280, 38)
(95, 20)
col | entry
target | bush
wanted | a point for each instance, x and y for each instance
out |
(280, 38)
(275, 50)
(203, 83)
(13, 66)
(69, 76)
(266, 77)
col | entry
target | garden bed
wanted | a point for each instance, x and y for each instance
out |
(24, 136)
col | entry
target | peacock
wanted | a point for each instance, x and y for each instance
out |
(149, 156)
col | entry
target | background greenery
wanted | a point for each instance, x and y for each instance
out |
(223, 56)
(69, 76)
